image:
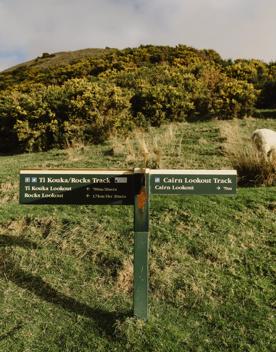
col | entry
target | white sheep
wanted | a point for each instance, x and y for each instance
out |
(264, 140)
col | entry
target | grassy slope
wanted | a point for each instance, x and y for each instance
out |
(60, 58)
(65, 271)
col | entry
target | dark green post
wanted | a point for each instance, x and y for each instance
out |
(141, 243)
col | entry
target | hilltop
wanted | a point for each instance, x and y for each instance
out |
(62, 58)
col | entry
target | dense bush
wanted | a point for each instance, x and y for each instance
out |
(90, 98)
(261, 75)
(234, 99)
(252, 71)
(217, 96)
(56, 116)
(154, 105)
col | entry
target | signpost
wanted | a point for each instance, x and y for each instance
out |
(124, 187)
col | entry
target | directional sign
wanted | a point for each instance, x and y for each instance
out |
(76, 187)
(186, 182)
(129, 187)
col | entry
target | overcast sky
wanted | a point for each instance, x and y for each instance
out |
(234, 28)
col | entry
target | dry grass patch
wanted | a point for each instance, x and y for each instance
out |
(75, 151)
(15, 227)
(124, 281)
(8, 192)
(253, 169)
(148, 148)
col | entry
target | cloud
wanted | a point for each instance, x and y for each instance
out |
(234, 28)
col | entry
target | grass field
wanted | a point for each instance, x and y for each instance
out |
(66, 271)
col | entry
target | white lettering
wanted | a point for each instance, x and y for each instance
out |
(51, 195)
(183, 188)
(80, 180)
(172, 180)
(57, 180)
(40, 188)
(162, 187)
(198, 180)
(60, 188)
(33, 195)
(225, 180)
(101, 180)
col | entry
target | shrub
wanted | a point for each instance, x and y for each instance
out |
(251, 71)
(153, 105)
(94, 110)
(217, 96)
(56, 116)
(234, 98)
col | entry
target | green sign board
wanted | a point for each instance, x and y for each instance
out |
(76, 187)
(187, 182)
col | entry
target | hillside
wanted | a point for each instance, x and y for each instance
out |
(92, 94)
(47, 61)
(66, 271)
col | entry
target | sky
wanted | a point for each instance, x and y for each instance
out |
(234, 28)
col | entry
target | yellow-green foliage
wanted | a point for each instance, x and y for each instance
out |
(58, 115)
(90, 98)
(252, 71)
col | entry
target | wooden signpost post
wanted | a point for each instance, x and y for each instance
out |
(124, 187)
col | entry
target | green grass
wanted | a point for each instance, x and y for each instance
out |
(65, 273)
